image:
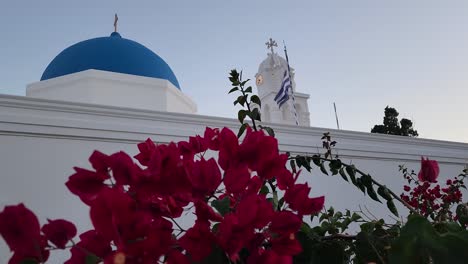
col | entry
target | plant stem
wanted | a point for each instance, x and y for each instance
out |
(339, 236)
(248, 108)
(175, 222)
(396, 197)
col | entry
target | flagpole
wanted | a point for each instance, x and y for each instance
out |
(336, 117)
(292, 90)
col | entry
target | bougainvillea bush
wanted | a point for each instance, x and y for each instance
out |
(248, 203)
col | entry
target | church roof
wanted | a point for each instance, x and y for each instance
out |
(114, 54)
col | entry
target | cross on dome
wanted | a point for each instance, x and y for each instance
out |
(270, 44)
(116, 18)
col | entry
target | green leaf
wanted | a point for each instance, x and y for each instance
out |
(355, 217)
(275, 200)
(292, 163)
(29, 261)
(343, 175)
(391, 206)
(331, 211)
(217, 255)
(462, 214)
(92, 259)
(255, 114)
(241, 115)
(256, 99)
(384, 193)
(233, 90)
(242, 129)
(302, 162)
(222, 206)
(367, 181)
(351, 170)
(280, 203)
(264, 190)
(269, 130)
(360, 185)
(322, 169)
(249, 89)
(367, 227)
(241, 99)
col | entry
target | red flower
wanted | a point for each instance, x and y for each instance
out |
(176, 257)
(211, 137)
(59, 232)
(285, 222)
(109, 211)
(205, 177)
(406, 188)
(254, 155)
(123, 168)
(228, 149)
(39, 254)
(298, 199)
(286, 245)
(198, 241)
(429, 170)
(91, 243)
(270, 257)
(254, 211)
(275, 167)
(236, 178)
(232, 237)
(146, 150)
(195, 145)
(205, 212)
(20, 229)
(86, 184)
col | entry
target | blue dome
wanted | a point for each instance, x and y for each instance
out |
(114, 54)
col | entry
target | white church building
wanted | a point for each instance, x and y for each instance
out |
(110, 93)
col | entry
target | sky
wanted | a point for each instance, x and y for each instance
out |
(362, 55)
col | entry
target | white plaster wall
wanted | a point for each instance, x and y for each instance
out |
(114, 89)
(41, 140)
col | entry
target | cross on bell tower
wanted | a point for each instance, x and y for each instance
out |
(270, 44)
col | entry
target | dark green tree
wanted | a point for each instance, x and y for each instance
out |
(391, 125)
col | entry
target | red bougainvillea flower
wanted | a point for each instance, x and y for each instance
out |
(205, 177)
(123, 168)
(59, 232)
(86, 184)
(285, 222)
(254, 211)
(146, 150)
(198, 241)
(231, 236)
(176, 257)
(212, 138)
(20, 229)
(109, 211)
(228, 149)
(286, 245)
(298, 199)
(429, 170)
(40, 254)
(256, 156)
(91, 243)
(194, 146)
(236, 178)
(270, 257)
(205, 213)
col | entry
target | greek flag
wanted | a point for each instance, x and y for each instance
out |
(283, 94)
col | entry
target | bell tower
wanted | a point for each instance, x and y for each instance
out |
(269, 80)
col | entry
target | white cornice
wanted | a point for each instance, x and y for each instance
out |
(23, 116)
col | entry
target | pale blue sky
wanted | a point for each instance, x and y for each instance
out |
(363, 55)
